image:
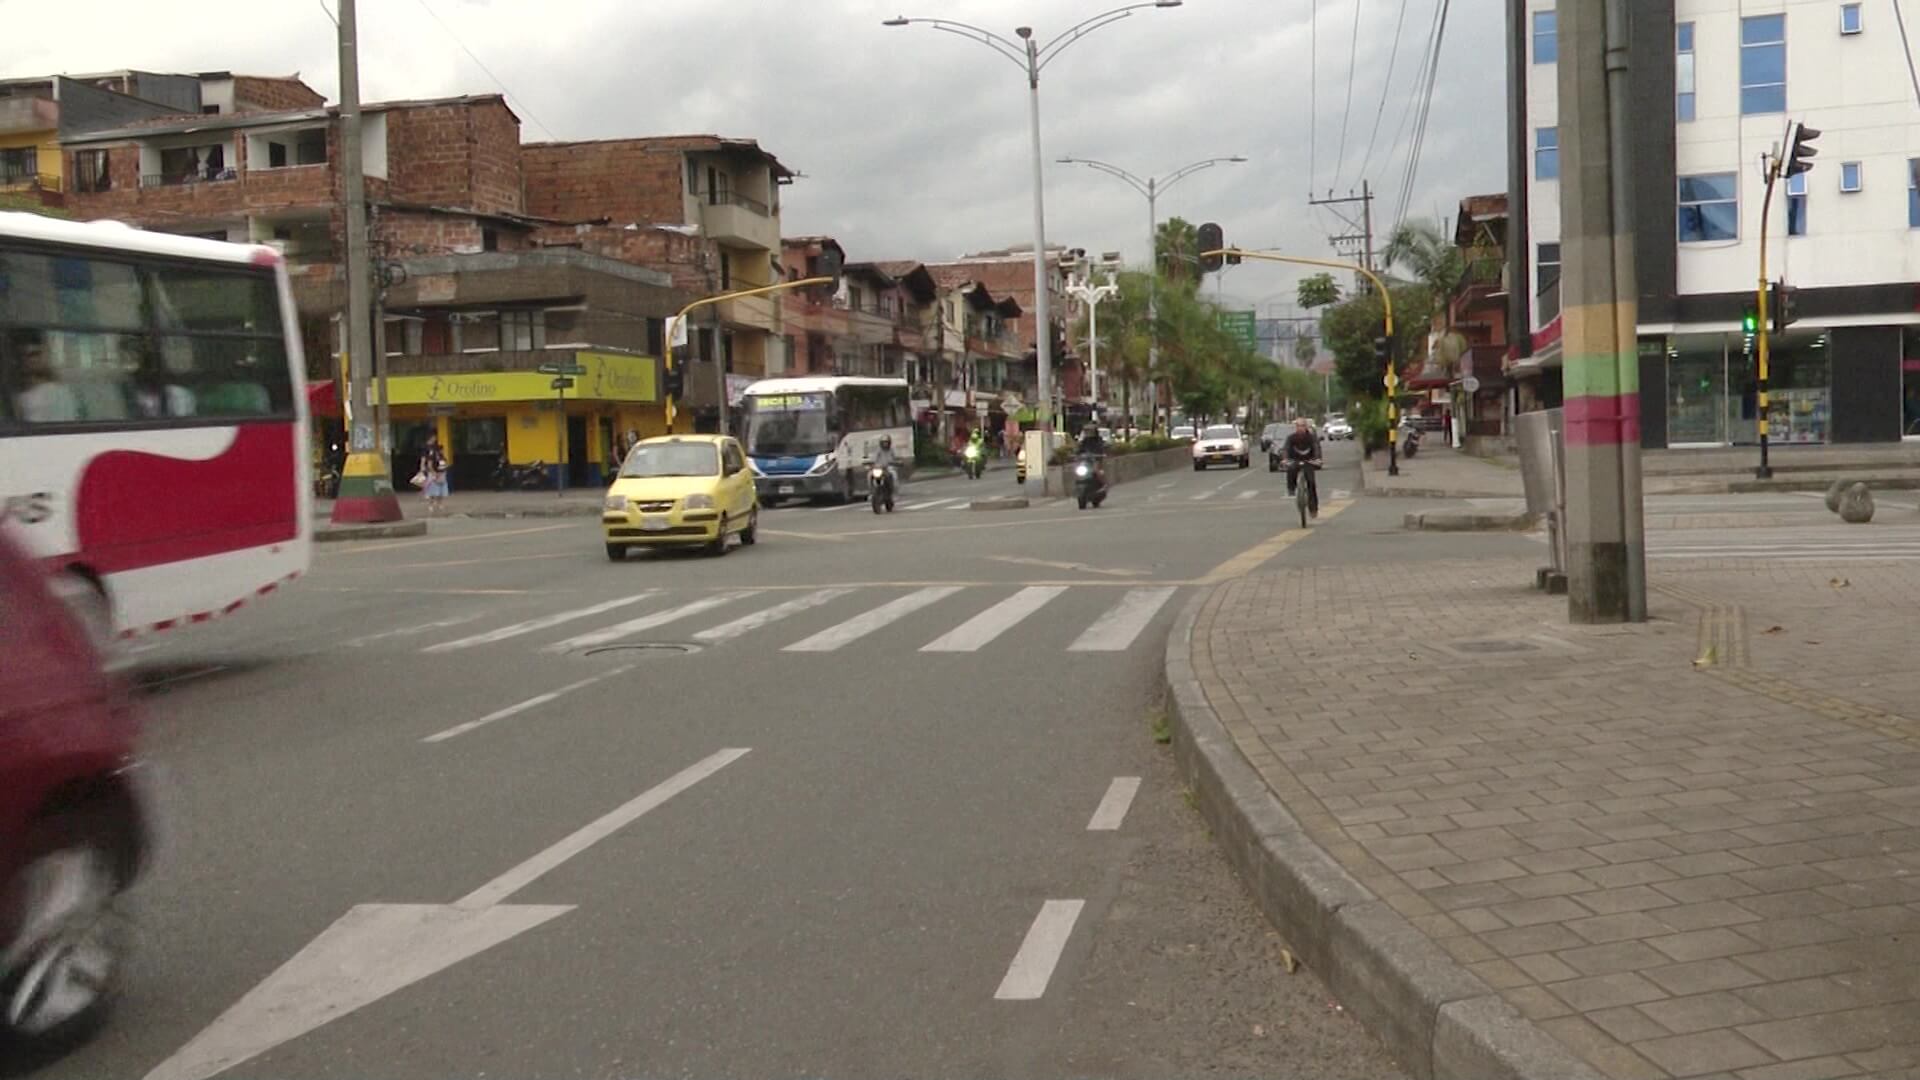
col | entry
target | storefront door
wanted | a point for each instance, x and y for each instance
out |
(1696, 390)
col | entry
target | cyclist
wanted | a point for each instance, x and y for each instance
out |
(1302, 452)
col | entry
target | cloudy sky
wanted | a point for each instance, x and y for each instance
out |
(913, 143)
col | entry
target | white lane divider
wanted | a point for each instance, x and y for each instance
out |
(531, 703)
(860, 626)
(746, 624)
(646, 622)
(1039, 954)
(409, 631)
(928, 505)
(1248, 495)
(1114, 804)
(969, 636)
(544, 622)
(1203, 495)
(1115, 631)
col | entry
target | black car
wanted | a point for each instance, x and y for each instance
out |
(1271, 434)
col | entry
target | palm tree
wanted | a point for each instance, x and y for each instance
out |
(1176, 248)
(1423, 248)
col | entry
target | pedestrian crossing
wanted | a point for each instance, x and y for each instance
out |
(1829, 542)
(932, 619)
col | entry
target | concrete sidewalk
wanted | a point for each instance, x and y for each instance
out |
(1519, 848)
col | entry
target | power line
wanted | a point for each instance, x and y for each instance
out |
(1401, 142)
(1313, 98)
(1426, 110)
(1386, 88)
(1346, 111)
(481, 64)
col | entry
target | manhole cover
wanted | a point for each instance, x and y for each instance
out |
(642, 650)
(1494, 646)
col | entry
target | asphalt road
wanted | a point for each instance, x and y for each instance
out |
(876, 796)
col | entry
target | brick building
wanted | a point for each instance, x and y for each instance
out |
(479, 293)
(1008, 274)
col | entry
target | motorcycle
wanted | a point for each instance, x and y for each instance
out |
(973, 461)
(529, 477)
(1409, 440)
(880, 488)
(326, 483)
(1089, 481)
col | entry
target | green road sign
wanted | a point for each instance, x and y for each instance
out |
(565, 368)
(1241, 325)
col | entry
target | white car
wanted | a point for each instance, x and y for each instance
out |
(1221, 444)
(1181, 432)
(1336, 427)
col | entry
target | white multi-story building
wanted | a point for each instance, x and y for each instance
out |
(1714, 85)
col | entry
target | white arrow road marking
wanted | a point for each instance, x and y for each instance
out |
(544, 622)
(1033, 965)
(531, 703)
(646, 622)
(1113, 806)
(376, 949)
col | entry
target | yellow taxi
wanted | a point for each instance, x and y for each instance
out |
(684, 490)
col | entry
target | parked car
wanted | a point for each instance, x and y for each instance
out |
(1336, 428)
(1221, 444)
(73, 819)
(1272, 434)
(1184, 431)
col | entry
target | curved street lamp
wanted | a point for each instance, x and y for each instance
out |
(1151, 187)
(1031, 57)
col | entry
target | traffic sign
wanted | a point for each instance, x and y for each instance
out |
(1242, 325)
(565, 368)
(562, 383)
(1470, 384)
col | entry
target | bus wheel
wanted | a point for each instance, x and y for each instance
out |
(89, 603)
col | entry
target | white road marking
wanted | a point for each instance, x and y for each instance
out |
(379, 949)
(1166, 485)
(531, 703)
(1203, 495)
(1113, 806)
(1248, 495)
(748, 623)
(1039, 954)
(929, 505)
(544, 622)
(409, 631)
(500, 888)
(839, 506)
(969, 636)
(860, 626)
(631, 627)
(1021, 560)
(1115, 631)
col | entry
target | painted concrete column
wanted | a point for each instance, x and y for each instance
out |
(1606, 572)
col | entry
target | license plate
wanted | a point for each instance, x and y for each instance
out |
(653, 524)
(786, 489)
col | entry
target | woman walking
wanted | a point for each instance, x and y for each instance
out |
(433, 473)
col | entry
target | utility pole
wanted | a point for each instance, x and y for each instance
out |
(1365, 235)
(366, 481)
(1606, 528)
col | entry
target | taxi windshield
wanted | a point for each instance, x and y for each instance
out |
(672, 459)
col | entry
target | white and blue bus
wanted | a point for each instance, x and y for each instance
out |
(808, 437)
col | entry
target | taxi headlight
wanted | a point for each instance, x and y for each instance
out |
(697, 502)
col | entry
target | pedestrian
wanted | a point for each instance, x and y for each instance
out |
(432, 476)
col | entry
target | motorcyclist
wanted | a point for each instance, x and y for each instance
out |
(1302, 448)
(1095, 447)
(883, 458)
(976, 450)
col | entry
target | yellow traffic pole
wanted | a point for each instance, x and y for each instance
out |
(1765, 471)
(680, 319)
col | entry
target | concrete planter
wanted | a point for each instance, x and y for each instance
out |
(1123, 468)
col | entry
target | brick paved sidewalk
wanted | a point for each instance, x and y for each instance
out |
(1681, 849)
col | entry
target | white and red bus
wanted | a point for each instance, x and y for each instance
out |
(153, 421)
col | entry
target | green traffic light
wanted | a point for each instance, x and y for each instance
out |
(1750, 322)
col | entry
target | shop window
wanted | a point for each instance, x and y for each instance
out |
(1546, 37)
(1797, 205)
(1683, 71)
(1546, 153)
(1709, 208)
(1763, 64)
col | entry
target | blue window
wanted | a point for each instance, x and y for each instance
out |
(1913, 193)
(1683, 71)
(1850, 177)
(1850, 18)
(1763, 64)
(1546, 37)
(1797, 205)
(1709, 208)
(1546, 153)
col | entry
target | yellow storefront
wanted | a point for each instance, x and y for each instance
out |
(482, 418)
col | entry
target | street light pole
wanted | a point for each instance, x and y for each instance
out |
(1151, 187)
(1091, 295)
(1032, 56)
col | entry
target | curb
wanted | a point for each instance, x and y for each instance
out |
(999, 502)
(567, 510)
(1463, 521)
(385, 530)
(1438, 1020)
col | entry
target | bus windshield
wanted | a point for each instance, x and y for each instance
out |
(790, 425)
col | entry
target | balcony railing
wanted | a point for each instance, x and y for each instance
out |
(154, 180)
(734, 198)
(38, 181)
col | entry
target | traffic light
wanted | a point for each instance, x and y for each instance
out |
(1382, 351)
(673, 383)
(1800, 150)
(1749, 320)
(1211, 239)
(1784, 307)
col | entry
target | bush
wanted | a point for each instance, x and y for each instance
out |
(1369, 420)
(929, 454)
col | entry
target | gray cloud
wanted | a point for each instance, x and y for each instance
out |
(913, 143)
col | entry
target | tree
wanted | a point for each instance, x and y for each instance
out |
(1176, 249)
(1422, 248)
(1318, 290)
(1349, 330)
(1305, 350)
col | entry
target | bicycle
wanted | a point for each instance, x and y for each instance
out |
(1302, 487)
